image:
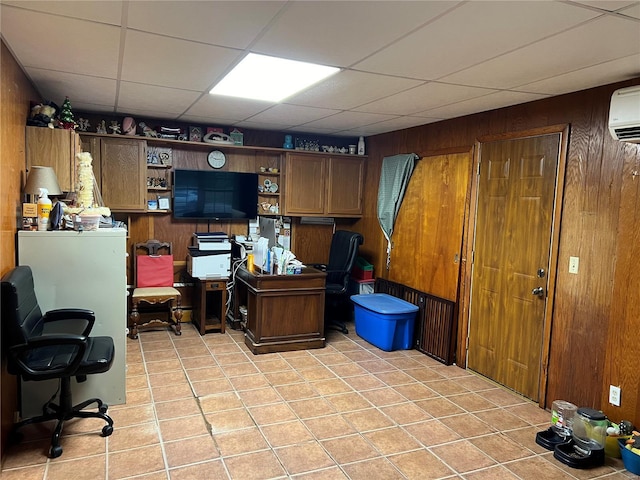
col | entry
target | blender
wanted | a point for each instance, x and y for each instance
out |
(562, 414)
(586, 448)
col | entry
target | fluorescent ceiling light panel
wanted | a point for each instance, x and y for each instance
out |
(260, 77)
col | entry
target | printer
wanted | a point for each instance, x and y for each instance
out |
(210, 256)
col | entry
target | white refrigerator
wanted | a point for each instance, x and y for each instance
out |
(80, 270)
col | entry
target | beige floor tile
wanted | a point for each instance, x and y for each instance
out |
(381, 397)
(348, 402)
(124, 417)
(259, 396)
(210, 387)
(317, 373)
(530, 412)
(370, 469)
(391, 440)
(467, 425)
(345, 370)
(206, 373)
(163, 366)
(190, 450)
(204, 361)
(360, 356)
(395, 378)
(167, 378)
(296, 391)
(219, 402)
(377, 366)
(302, 362)
(420, 465)
(230, 358)
(329, 427)
(26, 453)
(404, 363)
(432, 432)
(249, 382)
(366, 420)
(272, 413)
(160, 355)
(229, 420)
(313, 407)
(492, 473)
(86, 468)
(439, 407)
(243, 467)
(238, 369)
(502, 419)
(536, 468)
(286, 433)
(25, 473)
(141, 435)
(502, 397)
(422, 374)
(405, 413)
(171, 392)
(183, 427)
(240, 441)
(213, 469)
(196, 350)
(133, 398)
(415, 391)
(135, 461)
(331, 386)
(275, 365)
(136, 382)
(471, 402)
(331, 473)
(304, 458)
(333, 359)
(133, 369)
(472, 459)
(447, 387)
(501, 448)
(177, 408)
(285, 377)
(352, 448)
(364, 382)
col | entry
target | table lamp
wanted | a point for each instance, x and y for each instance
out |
(42, 177)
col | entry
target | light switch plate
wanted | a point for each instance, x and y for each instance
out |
(574, 264)
(614, 395)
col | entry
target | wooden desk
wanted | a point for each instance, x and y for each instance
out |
(284, 312)
(210, 301)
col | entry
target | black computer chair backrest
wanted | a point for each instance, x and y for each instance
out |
(21, 314)
(342, 257)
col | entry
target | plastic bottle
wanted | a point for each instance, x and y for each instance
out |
(361, 146)
(44, 209)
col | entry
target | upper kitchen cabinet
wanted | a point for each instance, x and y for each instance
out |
(54, 147)
(120, 166)
(321, 185)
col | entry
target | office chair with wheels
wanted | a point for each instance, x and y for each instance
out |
(342, 257)
(34, 354)
(153, 272)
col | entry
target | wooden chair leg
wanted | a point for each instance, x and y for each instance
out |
(178, 316)
(133, 320)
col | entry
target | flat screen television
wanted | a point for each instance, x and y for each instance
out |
(214, 195)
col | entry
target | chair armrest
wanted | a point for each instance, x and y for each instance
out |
(319, 266)
(60, 314)
(19, 353)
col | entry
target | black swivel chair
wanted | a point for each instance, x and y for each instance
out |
(342, 257)
(34, 354)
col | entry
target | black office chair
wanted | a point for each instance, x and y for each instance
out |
(342, 257)
(34, 354)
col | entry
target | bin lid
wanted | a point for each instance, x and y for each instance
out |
(383, 303)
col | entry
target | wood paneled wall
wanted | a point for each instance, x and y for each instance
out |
(16, 92)
(596, 321)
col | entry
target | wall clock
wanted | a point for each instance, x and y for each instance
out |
(216, 159)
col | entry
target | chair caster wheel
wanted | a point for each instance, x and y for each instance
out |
(107, 430)
(55, 452)
(103, 408)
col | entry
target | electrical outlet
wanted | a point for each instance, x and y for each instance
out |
(614, 395)
(574, 264)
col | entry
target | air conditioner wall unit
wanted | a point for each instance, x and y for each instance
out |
(624, 114)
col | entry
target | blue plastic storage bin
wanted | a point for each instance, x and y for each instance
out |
(384, 321)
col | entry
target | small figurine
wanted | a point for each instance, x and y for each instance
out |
(83, 124)
(114, 127)
(147, 131)
(102, 127)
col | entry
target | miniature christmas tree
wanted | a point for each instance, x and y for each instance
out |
(66, 116)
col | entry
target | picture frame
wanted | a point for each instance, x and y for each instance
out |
(195, 134)
(164, 202)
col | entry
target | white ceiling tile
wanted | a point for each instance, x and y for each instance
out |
(347, 120)
(349, 89)
(556, 55)
(211, 121)
(93, 108)
(608, 5)
(481, 104)
(263, 125)
(602, 74)
(56, 86)
(158, 60)
(312, 130)
(104, 12)
(421, 98)
(154, 99)
(229, 24)
(632, 11)
(227, 107)
(64, 47)
(292, 114)
(472, 33)
(391, 125)
(340, 33)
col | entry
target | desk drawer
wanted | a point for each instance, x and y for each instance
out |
(212, 285)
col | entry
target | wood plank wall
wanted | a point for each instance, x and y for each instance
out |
(596, 326)
(16, 92)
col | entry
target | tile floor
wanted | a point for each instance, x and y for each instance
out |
(207, 408)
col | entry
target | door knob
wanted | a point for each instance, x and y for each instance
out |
(539, 291)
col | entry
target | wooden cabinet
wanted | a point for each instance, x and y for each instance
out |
(54, 147)
(120, 168)
(319, 185)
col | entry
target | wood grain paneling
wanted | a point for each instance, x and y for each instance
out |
(16, 93)
(595, 226)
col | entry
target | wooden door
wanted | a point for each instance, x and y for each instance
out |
(428, 230)
(345, 178)
(514, 219)
(123, 170)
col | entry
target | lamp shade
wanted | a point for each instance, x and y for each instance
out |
(42, 177)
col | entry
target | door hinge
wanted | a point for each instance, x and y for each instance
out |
(467, 344)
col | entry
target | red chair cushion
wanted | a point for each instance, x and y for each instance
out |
(154, 270)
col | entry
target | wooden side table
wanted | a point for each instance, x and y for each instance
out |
(210, 302)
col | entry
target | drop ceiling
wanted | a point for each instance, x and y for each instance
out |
(403, 63)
